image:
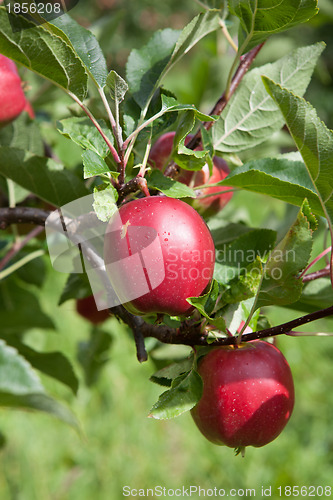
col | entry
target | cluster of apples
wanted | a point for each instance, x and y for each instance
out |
(163, 246)
(12, 97)
(248, 391)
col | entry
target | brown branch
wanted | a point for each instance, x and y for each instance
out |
(18, 215)
(245, 62)
(138, 183)
(189, 333)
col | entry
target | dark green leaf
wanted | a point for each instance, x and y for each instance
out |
(280, 178)
(94, 354)
(93, 164)
(44, 53)
(281, 284)
(184, 394)
(41, 176)
(33, 272)
(244, 286)
(77, 287)
(82, 131)
(145, 66)
(168, 186)
(236, 257)
(20, 309)
(20, 386)
(53, 364)
(259, 19)
(24, 134)
(314, 141)
(83, 43)
(166, 375)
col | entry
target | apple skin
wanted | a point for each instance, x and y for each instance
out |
(12, 98)
(248, 395)
(184, 254)
(86, 308)
(159, 157)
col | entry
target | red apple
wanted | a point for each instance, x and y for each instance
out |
(87, 309)
(159, 158)
(12, 98)
(158, 252)
(160, 152)
(248, 395)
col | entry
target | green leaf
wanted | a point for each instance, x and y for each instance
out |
(146, 67)
(16, 375)
(224, 232)
(20, 386)
(198, 28)
(33, 272)
(24, 134)
(93, 164)
(313, 140)
(184, 394)
(233, 259)
(20, 309)
(105, 203)
(94, 354)
(84, 44)
(41, 176)
(281, 284)
(280, 178)
(251, 116)
(53, 364)
(316, 294)
(44, 53)
(206, 304)
(166, 375)
(82, 131)
(259, 19)
(184, 157)
(246, 285)
(77, 287)
(168, 186)
(117, 86)
(170, 104)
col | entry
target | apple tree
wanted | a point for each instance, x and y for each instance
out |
(163, 178)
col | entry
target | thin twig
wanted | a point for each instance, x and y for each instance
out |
(97, 125)
(17, 246)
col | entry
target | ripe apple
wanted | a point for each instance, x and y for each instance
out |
(158, 252)
(12, 98)
(159, 157)
(248, 395)
(86, 307)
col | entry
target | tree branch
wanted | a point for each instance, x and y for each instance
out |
(190, 332)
